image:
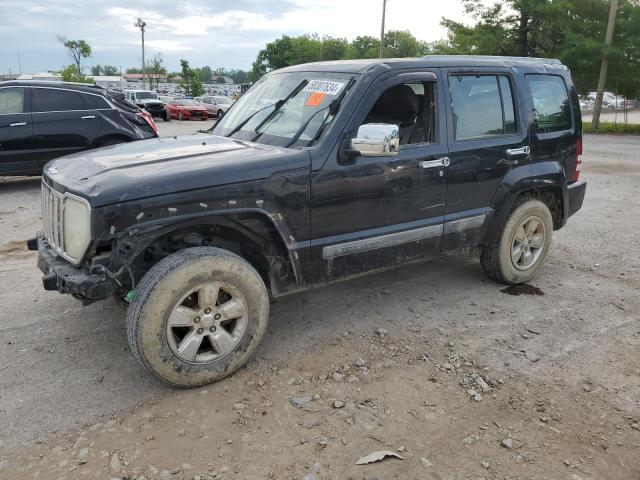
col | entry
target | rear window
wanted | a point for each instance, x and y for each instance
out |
(54, 100)
(550, 102)
(11, 100)
(482, 106)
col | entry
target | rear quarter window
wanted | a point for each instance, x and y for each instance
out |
(96, 101)
(551, 103)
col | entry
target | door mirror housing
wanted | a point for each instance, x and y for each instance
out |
(377, 140)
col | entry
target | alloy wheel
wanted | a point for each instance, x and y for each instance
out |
(207, 323)
(528, 243)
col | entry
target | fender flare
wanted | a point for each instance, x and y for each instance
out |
(542, 175)
(133, 240)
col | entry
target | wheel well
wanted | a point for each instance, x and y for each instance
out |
(251, 236)
(552, 198)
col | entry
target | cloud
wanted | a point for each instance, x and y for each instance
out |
(218, 33)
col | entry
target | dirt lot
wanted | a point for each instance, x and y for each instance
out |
(458, 375)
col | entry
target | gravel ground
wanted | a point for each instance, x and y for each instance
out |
(458, 375)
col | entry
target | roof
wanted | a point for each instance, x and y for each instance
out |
(83, 87)
(434, 61)
(106, 78)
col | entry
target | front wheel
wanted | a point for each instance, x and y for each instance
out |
(198, 315)
(180, 116)
(522, 246)
(220, 113)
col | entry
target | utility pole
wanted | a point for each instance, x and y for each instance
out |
(384, 11)
(140, 24)
(602, 79)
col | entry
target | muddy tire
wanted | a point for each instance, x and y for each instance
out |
(522, 246)
(198, 315)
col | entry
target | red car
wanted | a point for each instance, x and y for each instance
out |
(187, 109)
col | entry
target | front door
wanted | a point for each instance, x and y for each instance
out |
(375, 212)
(17, 151)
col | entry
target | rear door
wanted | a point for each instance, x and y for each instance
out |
(63, 122)
(487, 137)
(17, 151)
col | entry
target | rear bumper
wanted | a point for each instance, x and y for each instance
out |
(576, 191)
(64, 277)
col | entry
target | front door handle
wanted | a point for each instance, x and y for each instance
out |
(88, 117)
(440, 162)
(18, 124)
(517, 152)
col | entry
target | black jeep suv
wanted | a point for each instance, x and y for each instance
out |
(149, 102)
(318, 173)
(40, 121)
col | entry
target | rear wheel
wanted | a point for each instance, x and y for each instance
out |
(166, 117)
(112, 141)
(198, 316)
(220, 113)
(522, 246)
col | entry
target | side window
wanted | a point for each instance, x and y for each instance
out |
(12, 100)
(411, 106)
(54, 100)
(482, 106)
(551, 103)
(96, 101)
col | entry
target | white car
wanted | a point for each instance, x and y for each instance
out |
(216, 106)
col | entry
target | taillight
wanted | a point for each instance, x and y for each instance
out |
(576, 168)
(149, 119)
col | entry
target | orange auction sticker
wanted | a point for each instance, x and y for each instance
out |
(315, 99)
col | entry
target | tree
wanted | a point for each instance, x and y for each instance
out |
(364, 47)
(70, 74)
(78, 49)
(399, 44)
(334, 48)
(155, 67)
(570, 30)
(107, 70)
(190, 81)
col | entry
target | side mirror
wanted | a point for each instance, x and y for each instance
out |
(377, 140)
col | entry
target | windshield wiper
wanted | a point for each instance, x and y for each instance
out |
(333, 109)
(279, 104)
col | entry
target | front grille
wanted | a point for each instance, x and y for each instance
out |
(197, 113)
(52, 217)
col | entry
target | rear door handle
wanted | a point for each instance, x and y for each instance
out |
(88, 117)
(517, 152)
(18, 124)
(440, 162)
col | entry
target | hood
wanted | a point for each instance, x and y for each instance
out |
(158, 166)
(191, 107)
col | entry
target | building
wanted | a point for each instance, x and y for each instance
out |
(109, 81)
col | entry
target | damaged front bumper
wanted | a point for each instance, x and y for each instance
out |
(64, 277)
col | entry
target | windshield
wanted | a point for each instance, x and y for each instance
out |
(184, 102)
(223, 100)
(146, 96)
(287, 109)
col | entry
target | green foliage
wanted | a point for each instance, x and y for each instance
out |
(571, 30)
(70, 74)
(108, 70)
(78, 49)
(191, 82)
(288, 50)
(612, 128)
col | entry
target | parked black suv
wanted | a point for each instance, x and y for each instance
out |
(318, 173)
(44, 120)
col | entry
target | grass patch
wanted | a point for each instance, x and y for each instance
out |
(609, 127)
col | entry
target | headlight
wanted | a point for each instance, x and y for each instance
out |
(77, 228)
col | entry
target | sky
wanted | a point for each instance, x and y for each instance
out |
(226, 33)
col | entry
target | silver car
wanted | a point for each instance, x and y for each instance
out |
(216, 106)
